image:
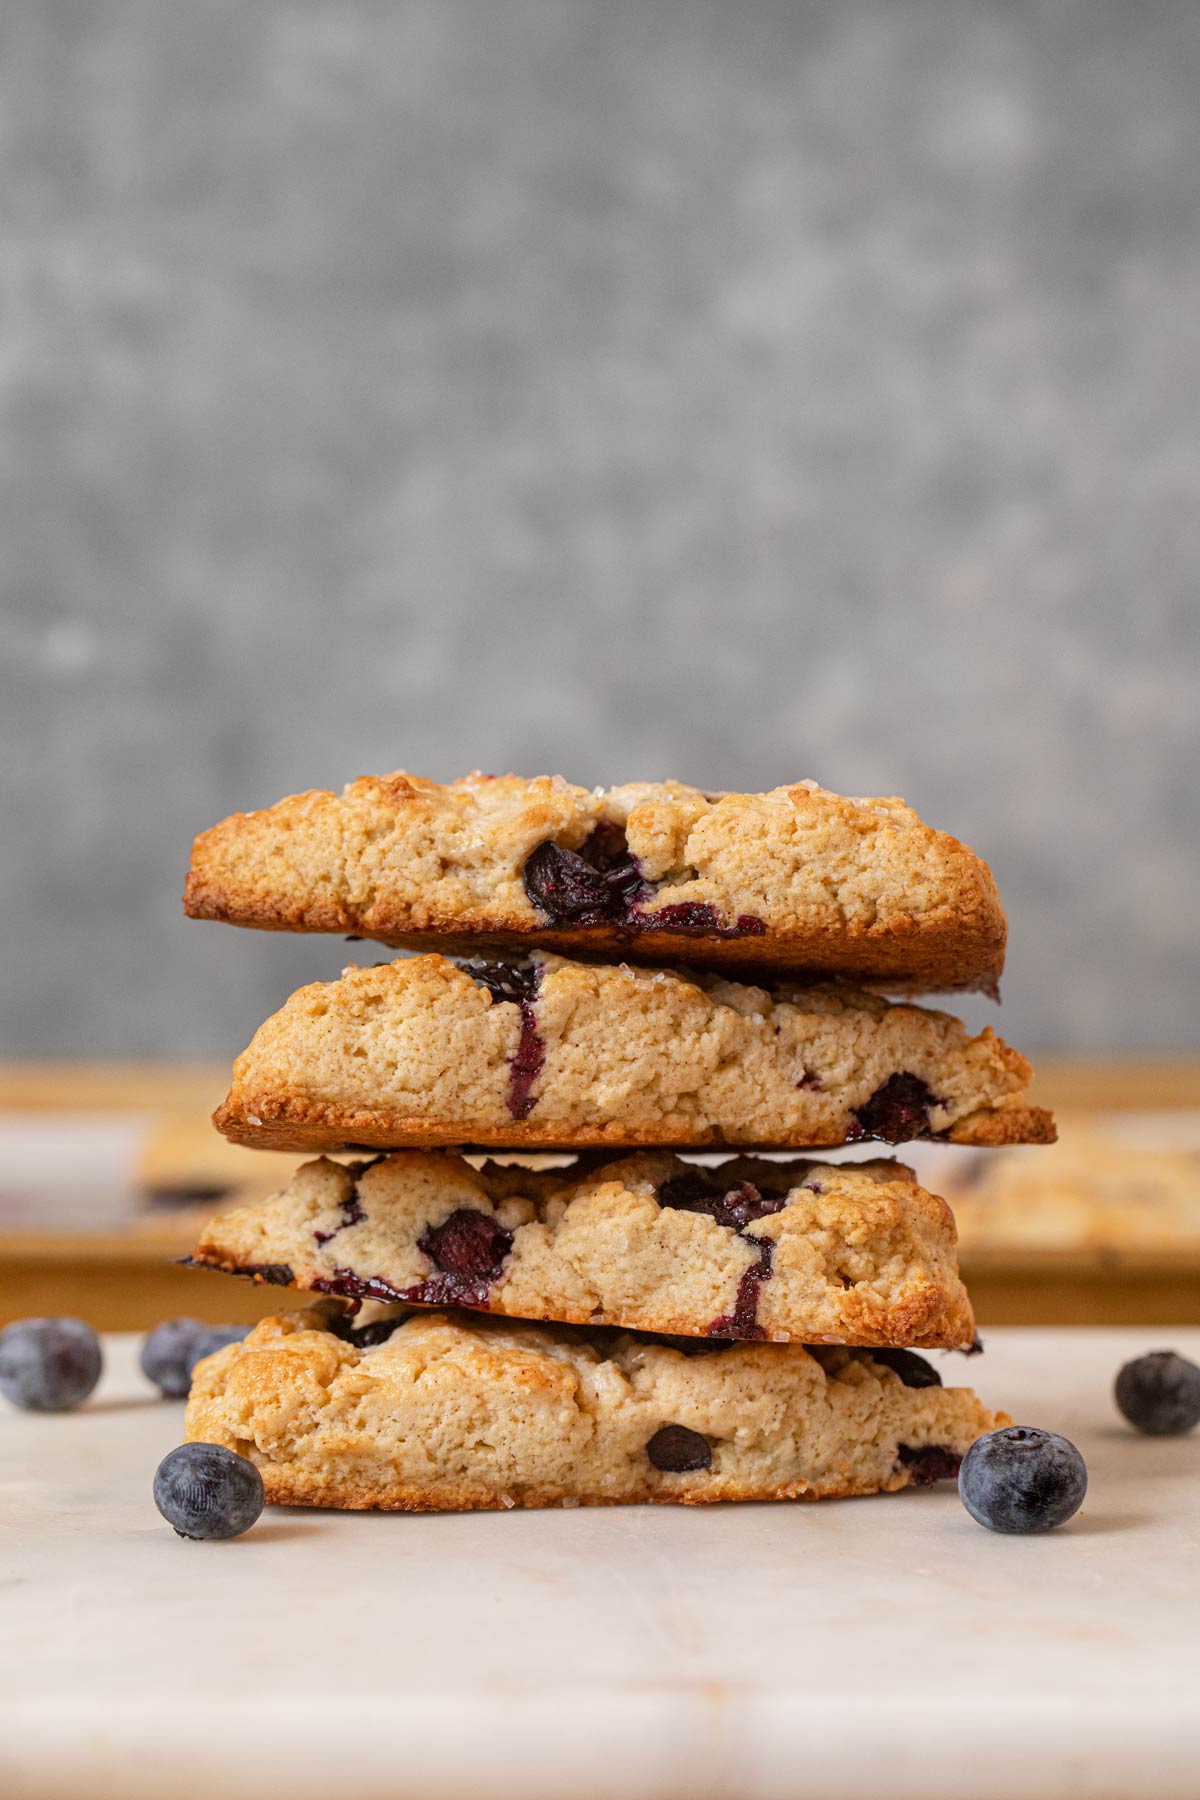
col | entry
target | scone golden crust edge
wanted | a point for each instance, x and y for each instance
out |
(799, 1252)
(794, 879)
(451, 1415)
(560, 1055)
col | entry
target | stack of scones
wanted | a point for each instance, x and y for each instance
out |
(527, 1290)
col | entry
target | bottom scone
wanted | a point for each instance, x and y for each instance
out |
(424, 1412)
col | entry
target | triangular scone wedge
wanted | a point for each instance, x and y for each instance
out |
(797, 879)
(450, 1413)
(788, 1251)
(559, 1055)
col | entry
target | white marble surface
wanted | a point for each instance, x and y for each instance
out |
(881, 1647)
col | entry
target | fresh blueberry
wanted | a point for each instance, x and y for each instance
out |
(1022, 1479)
(49, 1365)
(351, 1212)
(166, 1357)
(525, 1064)
(1160, 1393)
(211, 1338)
(206, 1491)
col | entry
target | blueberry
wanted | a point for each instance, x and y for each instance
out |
(677, 1450)
(469, 1242)
(736, 1207)
(205, 1491)
(929, 1463)
(914, 1371)
(504, 981)
(565, 889)
(694, 917)
(1022, 1479)
(599, 884)
(166, 1357)
(49, 1365)
(1160, 1393)
(211, 1338)
(897, 1111)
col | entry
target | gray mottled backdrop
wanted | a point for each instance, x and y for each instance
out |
(737, 391)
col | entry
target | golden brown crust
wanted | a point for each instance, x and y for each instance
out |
(293, 1487)
(454, 1414)
(858, 888)
(418, 1053)
(856, 1254)
(1008, 1125)
(308, 1129)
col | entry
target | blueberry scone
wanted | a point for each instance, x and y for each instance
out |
(429, 1412)
(551, 1054)
(1102, 1197)
(800, 1252)
(794, 879)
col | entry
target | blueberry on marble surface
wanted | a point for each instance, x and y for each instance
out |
(167, 1353)
(206, 1491)
(211, 1338)
(1022, 1479)
(1160, 1393)
(49, 1365)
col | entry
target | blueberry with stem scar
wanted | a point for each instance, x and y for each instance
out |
(1022, 1479)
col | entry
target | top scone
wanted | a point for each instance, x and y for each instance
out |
(798, 879)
